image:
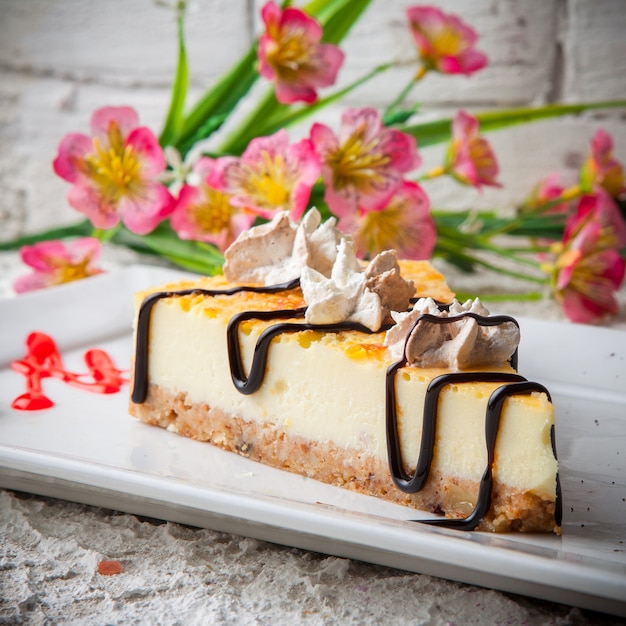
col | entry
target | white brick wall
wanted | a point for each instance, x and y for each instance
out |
(61, 59)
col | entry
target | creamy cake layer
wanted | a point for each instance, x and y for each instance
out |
(330, 388)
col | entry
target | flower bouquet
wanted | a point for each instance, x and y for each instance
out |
(184, 197)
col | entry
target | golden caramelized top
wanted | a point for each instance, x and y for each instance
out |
(357, 345)
(428, 283)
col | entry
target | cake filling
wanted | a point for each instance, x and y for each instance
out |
(338, 297)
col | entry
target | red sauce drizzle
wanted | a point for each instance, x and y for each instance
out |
(43, 360)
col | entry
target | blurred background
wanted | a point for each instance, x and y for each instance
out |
(62, 59)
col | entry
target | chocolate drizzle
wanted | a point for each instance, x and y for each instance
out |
(251, 383)
(140, 377)
(513, 384)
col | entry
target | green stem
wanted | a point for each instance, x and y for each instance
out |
(401, 97)
(446, 246)
(217, 102)
(269, 115)
(106, 235)
(174, 118)
(506, 253)
(530, 296)
(266, 105)
(80, 229)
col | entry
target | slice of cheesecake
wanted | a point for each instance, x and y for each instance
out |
(241, 366)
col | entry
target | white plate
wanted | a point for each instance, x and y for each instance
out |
(88, 449)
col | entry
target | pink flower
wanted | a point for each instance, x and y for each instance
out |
(545, 191)
(589, 268)
(291, 56)
(270, 176)
(445, 43)
(470, 158)
(600, 209)
(114, 172)
(363, 166)
(404, 224)
(54, 263)
(204, 213)
(601, 168)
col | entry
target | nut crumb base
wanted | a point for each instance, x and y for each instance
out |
(511, 510)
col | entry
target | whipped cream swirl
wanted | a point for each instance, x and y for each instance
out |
(278, 251)
(462, 343)
(351, 295)
(334, 285)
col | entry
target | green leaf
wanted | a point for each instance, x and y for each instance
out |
(339, 17)
(164, 241)
(397, 117)
(439, 131)
(210, 125)
(197, 265)
(174, 117)
(81, 229)
(266, 107)
(271, 116)
(486, 224)
(219, 101)
(530, 296)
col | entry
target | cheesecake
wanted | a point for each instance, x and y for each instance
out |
(371, 378)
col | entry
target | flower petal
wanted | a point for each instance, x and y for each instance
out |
(85, 248)
(470, 158)
(45, 255)
(404, 224)
(116, 173)
(445, 43)
(147, 148)
(55, 262)
(71, 155)
(142, 211)
(270, 176)
(101, 212)
(291, 56)
(32, 282)
(290, 93)
(125, 118)
(363, 166)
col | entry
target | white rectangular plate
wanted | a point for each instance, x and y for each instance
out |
(87, 449)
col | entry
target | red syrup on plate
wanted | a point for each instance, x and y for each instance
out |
(43, 360)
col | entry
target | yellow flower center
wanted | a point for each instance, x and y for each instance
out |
(480, 154)
(212, 216)
(66, 272)
(447, 42)
(116, 169)
(613, 180)
(358, 163)
(383, 230)
(588, 279)
(568, 258)
(271, 181)
(290, 54)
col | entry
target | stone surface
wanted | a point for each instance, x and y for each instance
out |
(175, 574)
